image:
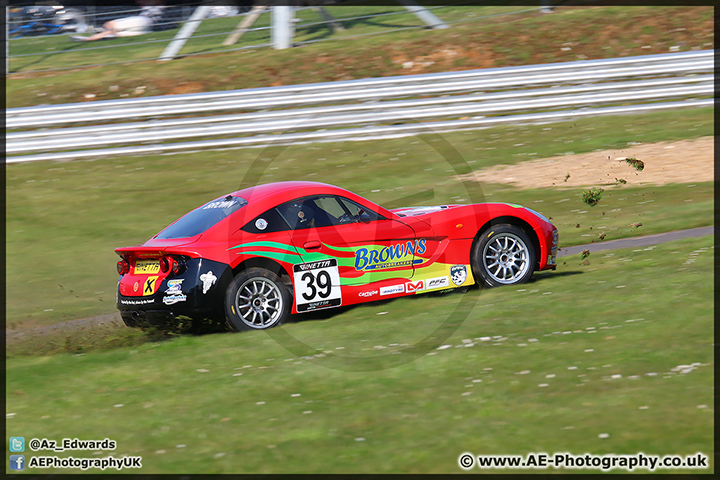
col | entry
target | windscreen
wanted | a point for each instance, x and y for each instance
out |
(202, 218)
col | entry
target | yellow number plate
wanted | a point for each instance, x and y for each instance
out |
(147, 266)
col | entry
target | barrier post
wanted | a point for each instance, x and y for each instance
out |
(191, 24)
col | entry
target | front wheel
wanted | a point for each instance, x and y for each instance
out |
(503, 255)
(257, 299)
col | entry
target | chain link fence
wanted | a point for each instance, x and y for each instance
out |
(40, 39)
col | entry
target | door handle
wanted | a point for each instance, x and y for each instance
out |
(311, 245)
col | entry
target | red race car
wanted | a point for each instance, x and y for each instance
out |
(255, 256)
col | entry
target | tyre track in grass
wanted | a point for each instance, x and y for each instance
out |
(112, 320)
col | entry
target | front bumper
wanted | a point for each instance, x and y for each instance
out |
(552, 258)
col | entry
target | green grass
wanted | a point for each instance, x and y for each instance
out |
(584, 351)
(64, 219)
(527, 38)
(658, 209)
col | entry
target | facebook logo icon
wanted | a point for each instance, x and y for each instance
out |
(17, 462)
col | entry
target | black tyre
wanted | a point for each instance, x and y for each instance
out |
(503, 255)
(257, 299)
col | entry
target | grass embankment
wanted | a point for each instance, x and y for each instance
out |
(64, 219)
(570, 33)
(612, 357)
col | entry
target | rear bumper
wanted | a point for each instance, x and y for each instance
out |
(140, 318)
(182, 295)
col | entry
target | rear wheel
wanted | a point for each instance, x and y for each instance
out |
(257, 299)
(503, 255)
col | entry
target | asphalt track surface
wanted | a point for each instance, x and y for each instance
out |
(644, 241)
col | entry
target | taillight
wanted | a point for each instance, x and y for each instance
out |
(123, 267)
(176, 265)
(165, 264)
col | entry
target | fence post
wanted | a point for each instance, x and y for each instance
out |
(7, 39)
(191, 24)
(245, 24)
(282, 27)
(423, 14)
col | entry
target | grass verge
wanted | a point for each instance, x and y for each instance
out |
(611, 357)
(64, 219)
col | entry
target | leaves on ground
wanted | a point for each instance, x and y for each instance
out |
(634, 162)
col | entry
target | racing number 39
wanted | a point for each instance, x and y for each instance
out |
(317, 285)
(323, 283)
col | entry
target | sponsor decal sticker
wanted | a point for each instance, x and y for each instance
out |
(208, 280)
(174, 299)
(415, 286)
(223, 204)
(174, 287)
(458, 274)
(144, 301)
(261, 224)
(396, 255)
(149, 286)
(317, 285)
(368, 293)
(391, 290)
(437, 282)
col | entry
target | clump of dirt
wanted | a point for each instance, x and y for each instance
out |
(683, 161)
(638, 164)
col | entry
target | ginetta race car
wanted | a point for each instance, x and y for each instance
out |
(255, 256)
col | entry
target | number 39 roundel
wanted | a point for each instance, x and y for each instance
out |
(317, 285)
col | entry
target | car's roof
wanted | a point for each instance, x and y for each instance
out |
(262, 197)
(289, 190)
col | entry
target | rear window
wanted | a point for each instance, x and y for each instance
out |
(202, 218)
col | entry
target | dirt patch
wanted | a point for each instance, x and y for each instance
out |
(684, 161)
(66, 328)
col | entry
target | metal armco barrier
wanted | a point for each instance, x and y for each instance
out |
(361, 109)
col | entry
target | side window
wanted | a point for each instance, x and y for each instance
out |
(267, 222)
(358, 212)
(324, 211)
(298, 214)
(330, 206)
(309, 212)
